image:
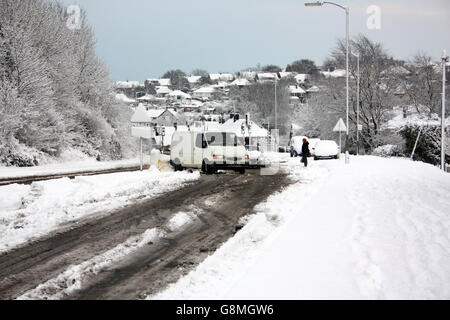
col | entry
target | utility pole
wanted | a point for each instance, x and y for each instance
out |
(347, 32)
(276, 118)
(357, 103)
(445, 59)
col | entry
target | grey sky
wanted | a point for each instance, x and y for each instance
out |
(139, 39)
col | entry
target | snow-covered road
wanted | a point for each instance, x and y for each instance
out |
(376, 229)
(32, 211)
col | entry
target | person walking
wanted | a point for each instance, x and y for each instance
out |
(305, 152)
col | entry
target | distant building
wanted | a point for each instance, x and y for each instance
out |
(225, 77)
(243, 82)
(204, 92)
(266, 77)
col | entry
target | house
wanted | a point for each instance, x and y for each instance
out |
(266, 77)
(162, 91)
(249, 75)
(284, 74)
(129, 88)
(128, 84)
(297, 93)
(165, 82)
(226, 77)
(313, 89)
(222, 85)
(193, 80)
(163, 117)
(338, 73)
(301, 78)
(241, 83)
(179, 95)
(204, 92)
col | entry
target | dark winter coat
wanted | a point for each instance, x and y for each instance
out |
(305, 148)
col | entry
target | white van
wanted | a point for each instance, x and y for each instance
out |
(209, 151)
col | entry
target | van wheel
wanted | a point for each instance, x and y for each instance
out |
(177, 165)
(207, 169)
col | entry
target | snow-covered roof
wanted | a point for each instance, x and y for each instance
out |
(147, 97)
(127, 84)
(301, 77)
(413, 118)
(249, 75)
(179, 93)
(267, 76)
(396, 70)
(163, 90)
(338, 73)
(221, 76)
(193, 79)
(222, 84)
(285, 74)
(235, 126)
(122, 97)
(313, 89)
(140, 114)
(296, 90)
(240, 82)
(156, 113)
(205, 90)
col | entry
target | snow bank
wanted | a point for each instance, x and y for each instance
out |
(376, 229)
(29, 211)
(68, 166)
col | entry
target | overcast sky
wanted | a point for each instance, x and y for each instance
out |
(140, 39)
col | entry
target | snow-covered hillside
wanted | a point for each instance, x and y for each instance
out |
(376, 229)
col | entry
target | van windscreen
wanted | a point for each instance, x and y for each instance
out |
(222, 139)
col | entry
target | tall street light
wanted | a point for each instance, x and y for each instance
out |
(445, 60)
(357, 103)
(347, 17)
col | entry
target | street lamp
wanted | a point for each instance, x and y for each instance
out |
(357, 103)
(347, 20)
(445, 60)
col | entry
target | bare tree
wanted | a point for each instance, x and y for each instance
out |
(423, 86)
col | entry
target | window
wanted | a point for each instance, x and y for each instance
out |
(199, 141)
(222, 139)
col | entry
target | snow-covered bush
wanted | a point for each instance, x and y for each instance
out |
(55, 94)
(429, 145)
(388, 150)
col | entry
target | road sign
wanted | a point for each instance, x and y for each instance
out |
(340, 126)
(360, 127)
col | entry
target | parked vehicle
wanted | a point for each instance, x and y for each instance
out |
(255, 158)
(312, 145)
(208, 151)
(296, 145)
(326, 149)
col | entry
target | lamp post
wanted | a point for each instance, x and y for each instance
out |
(357, 103)
(445, 59)
(276, 118)
(347, 20)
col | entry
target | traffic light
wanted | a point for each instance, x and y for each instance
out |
(163, 131)
(243, 129)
